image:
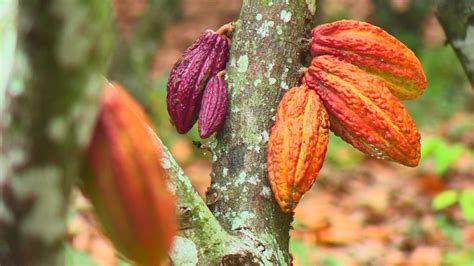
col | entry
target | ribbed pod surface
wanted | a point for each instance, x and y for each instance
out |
(363, 112)
(373, 50)
(213, 107)
(189, 75)
(297, 145)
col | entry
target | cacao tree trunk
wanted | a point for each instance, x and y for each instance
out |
(265, 60)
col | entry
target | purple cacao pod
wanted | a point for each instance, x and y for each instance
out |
(205, 58)
(213, 106)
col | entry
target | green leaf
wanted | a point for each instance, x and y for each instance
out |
(300, 251)
(77, 257)
(445, 155)
(444, 199)
(466, 203)
(429, 145)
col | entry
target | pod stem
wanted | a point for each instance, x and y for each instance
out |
(302, 71)
(221, 73)
(226, 29)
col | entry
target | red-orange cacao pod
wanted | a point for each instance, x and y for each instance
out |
(375, 51)
(297, 145)
(363, 111)
(125, 181)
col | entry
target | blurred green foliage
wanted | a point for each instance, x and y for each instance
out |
(459, 257)
(77, 257)
(443, 153)
(444, 199)
(7, 43)
(466, 203)
(449, 229)
(464, 197)
(342, 155)
(405, 24)
(460, 254)
(303, 251)
(448, 90)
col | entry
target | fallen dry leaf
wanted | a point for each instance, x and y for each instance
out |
(425, 256)
(395, 258)
(379, 233)
(199, 172)
(375, 198)
(182, 150)
(313, 210)
(430, 183)
(341, 231)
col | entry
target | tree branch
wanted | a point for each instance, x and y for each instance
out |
(457, 19)
(50, 108)
(264, 62)
(201, 237)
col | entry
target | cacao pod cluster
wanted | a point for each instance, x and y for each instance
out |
(195, 91)
(124, 179)
(353, 86)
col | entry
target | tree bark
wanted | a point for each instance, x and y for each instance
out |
(51, 104)
(457, 19)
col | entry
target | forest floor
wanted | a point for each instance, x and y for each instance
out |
(360, 211)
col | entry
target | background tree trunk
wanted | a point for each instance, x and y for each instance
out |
(51, 104)
(457, 19)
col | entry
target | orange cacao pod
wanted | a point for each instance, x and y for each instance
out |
(363, 112)
(373, 50)
(296, 146)
(125, 181)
